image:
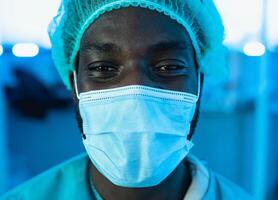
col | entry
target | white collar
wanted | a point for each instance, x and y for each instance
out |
(200, 179)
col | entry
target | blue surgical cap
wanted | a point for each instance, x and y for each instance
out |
(199, 17)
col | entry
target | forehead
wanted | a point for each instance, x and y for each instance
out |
(135, 27)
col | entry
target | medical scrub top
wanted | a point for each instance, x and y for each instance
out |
(71, 180)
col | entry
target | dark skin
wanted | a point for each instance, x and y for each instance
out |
(136, 46)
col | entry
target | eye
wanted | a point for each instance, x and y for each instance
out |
(167, 68)
(171, 68)
(103, 68)
(101, 71)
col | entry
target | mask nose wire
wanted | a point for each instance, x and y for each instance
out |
(75, 84)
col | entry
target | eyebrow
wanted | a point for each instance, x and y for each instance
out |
(103, 47)
(168, 45)
(160, 46)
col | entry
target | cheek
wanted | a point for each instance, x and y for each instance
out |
(191, 84)
(183, 83)
(83, 80)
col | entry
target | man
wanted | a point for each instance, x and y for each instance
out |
(135, 69)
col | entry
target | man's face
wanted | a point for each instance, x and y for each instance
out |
(136, 46)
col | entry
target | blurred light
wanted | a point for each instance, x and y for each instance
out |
(1, 50)
(254, 49)
(14, 15)
(25, 50)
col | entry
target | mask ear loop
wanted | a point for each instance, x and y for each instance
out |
(199, 85)
(75, 84)
(198, 96)
(77, 94)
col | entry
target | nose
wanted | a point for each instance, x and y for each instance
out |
(139, 73)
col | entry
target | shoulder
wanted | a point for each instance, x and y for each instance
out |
(221, 188)
(57, 183)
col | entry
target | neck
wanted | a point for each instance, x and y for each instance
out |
(173, 187)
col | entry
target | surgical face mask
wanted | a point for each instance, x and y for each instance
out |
(136, 135)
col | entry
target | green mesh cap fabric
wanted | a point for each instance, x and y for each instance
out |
(199, 17)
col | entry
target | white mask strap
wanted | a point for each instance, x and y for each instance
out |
(199, 84)
(75, 84)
